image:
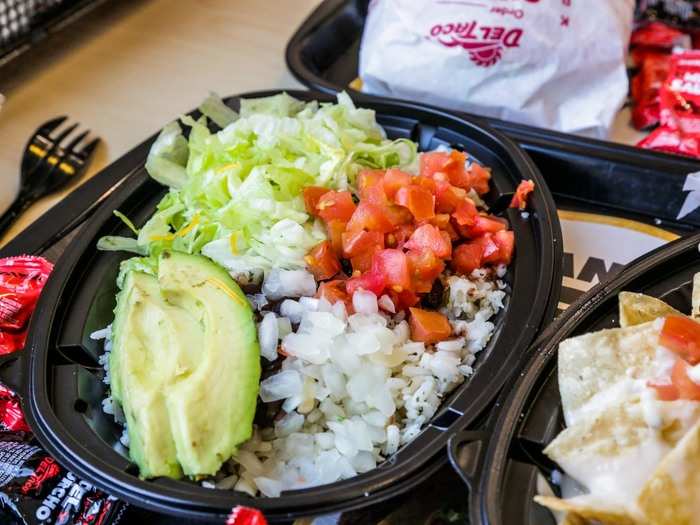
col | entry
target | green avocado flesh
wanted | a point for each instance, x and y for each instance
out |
(185, 366)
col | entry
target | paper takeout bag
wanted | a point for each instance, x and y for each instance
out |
(558, 64)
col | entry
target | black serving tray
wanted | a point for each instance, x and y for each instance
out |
(323, 55)
(501, 465)
(60, 381)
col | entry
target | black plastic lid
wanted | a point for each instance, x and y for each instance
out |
(61, 381)
(501, 465)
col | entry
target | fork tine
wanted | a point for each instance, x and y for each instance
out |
(89, 149)
(61, 136)
(49, 126)
(69, 149)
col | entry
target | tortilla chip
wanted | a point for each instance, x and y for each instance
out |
(581, 513)
(593, 362)
(672, 495)
(695, 311)
(637, 308)
(608, 433)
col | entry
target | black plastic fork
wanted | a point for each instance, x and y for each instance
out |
(49, 164)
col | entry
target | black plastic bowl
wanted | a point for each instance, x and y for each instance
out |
(501, 465)
(62, 384)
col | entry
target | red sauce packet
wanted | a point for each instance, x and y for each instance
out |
(679, 101)
(670, 141)
(21, 281)
(680, 94)
(34, 488)
(645, 87)
(245, 516)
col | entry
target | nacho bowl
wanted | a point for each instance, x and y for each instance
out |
(505, 466)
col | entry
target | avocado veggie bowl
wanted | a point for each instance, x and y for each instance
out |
(376, 272)
(279, 307)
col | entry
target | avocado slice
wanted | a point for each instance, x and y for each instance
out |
(140, 341)
(194, 350)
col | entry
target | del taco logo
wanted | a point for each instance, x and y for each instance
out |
(484, 43)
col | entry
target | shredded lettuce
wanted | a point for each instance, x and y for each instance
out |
(236, 195)
(215, 109)
(168, 157)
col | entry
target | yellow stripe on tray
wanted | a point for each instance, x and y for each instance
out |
(619, 222)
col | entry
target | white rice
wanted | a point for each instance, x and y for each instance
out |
(353, 388)
(356, 388)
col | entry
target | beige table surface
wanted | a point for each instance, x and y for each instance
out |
(139, 66)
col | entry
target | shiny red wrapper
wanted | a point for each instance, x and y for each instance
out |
(645, 88)
(660, 37)
(679, 95)
(679, 102)
(245, 516)
(21, 281)
(671, 141)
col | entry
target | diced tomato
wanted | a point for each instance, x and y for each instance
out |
(451, 231)
(336, 206)
(466, 258)
(362, 248)
(369, 217)
(313, 194)
(433, 162)
(681, 335)
(505, 240)
(443, 165)
(334, 291)
(524, 189)
(428, 237)
(322, 261)
(375, 194)
(427, 183)
(334, 230)
(437, 165)
(400, 235)
(359, 241)
(392, 264)
(457, 172)
(424, 267)
(441, 220)
(491, 251)
(428, 327)
(665, 391)
(397, 215)
(370, 281)
(448, 197)
(362, 262)
(479, 178)
(466, 213)
(403, 299)
(368, 179)
(687, 388)
(395, 179)
(418, 200)
(483, 224)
